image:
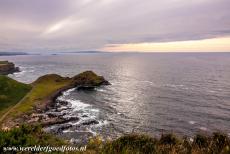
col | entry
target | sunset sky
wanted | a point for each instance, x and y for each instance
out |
(115, 25)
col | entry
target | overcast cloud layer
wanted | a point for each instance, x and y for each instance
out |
(92, 24)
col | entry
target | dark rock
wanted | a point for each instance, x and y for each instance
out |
(90, 122)
(68, 119)
(86, 88)
(89, 79)
(63, 127)
(7, 68)
(55, 114)
(63, 102)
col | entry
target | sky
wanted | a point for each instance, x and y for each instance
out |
(115, 25)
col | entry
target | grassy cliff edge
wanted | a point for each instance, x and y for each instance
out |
(43, 93)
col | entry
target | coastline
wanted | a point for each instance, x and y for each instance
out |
(34, 113)
(133, 142)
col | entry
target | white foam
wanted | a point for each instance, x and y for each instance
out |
(148, 82)
(67, 92)
(203, 128)
(192, 122)
(102, 123)
(77, 104)
(67, 131)
(100, 89)
(94, 110)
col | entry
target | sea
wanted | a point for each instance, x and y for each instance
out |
(150, 93)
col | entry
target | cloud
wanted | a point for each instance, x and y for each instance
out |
(91, 24)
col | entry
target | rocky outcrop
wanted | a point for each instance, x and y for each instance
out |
(7, 68)
(89, 79)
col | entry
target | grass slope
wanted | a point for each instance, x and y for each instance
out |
(43, 87)
(11, 92)
(47, 85)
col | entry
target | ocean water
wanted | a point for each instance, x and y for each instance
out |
(184, 93)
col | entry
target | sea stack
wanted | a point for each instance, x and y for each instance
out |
(7, 67)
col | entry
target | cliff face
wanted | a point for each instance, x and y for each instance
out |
(7, 68)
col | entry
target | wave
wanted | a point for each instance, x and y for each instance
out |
(88, 115)
(203, 128)
(68, 92)
(100, 89)
(192, 122)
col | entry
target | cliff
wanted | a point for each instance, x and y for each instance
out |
(7, 68)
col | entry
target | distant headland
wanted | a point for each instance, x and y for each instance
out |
(7, 67)
(12, 53)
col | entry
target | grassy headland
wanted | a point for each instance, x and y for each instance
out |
(11, 92)
(44, 90)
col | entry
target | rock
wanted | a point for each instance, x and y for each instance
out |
(55, 114)
(86, 88)
(7, 68)
(33, 120)
(60, 128)
(68, 119)
(89, 79)
(62, 102)
(90, 122)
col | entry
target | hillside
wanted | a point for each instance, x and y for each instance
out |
(11, 92)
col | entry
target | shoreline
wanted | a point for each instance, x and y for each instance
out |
(37, 107)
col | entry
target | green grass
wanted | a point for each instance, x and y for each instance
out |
(46, 85)
(11, 92)
(4, 62)
(43, 87)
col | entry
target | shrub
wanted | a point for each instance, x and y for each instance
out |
(169, 139)
(27, 136)
(201, 141)
(131, 144)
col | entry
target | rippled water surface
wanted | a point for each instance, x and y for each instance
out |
(151, 93)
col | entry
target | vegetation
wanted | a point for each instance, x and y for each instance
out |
(7, 68)
(218, 143)
(89, 78)
(43, 87)
(26, 136)
(3, 62)
(11, 92)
